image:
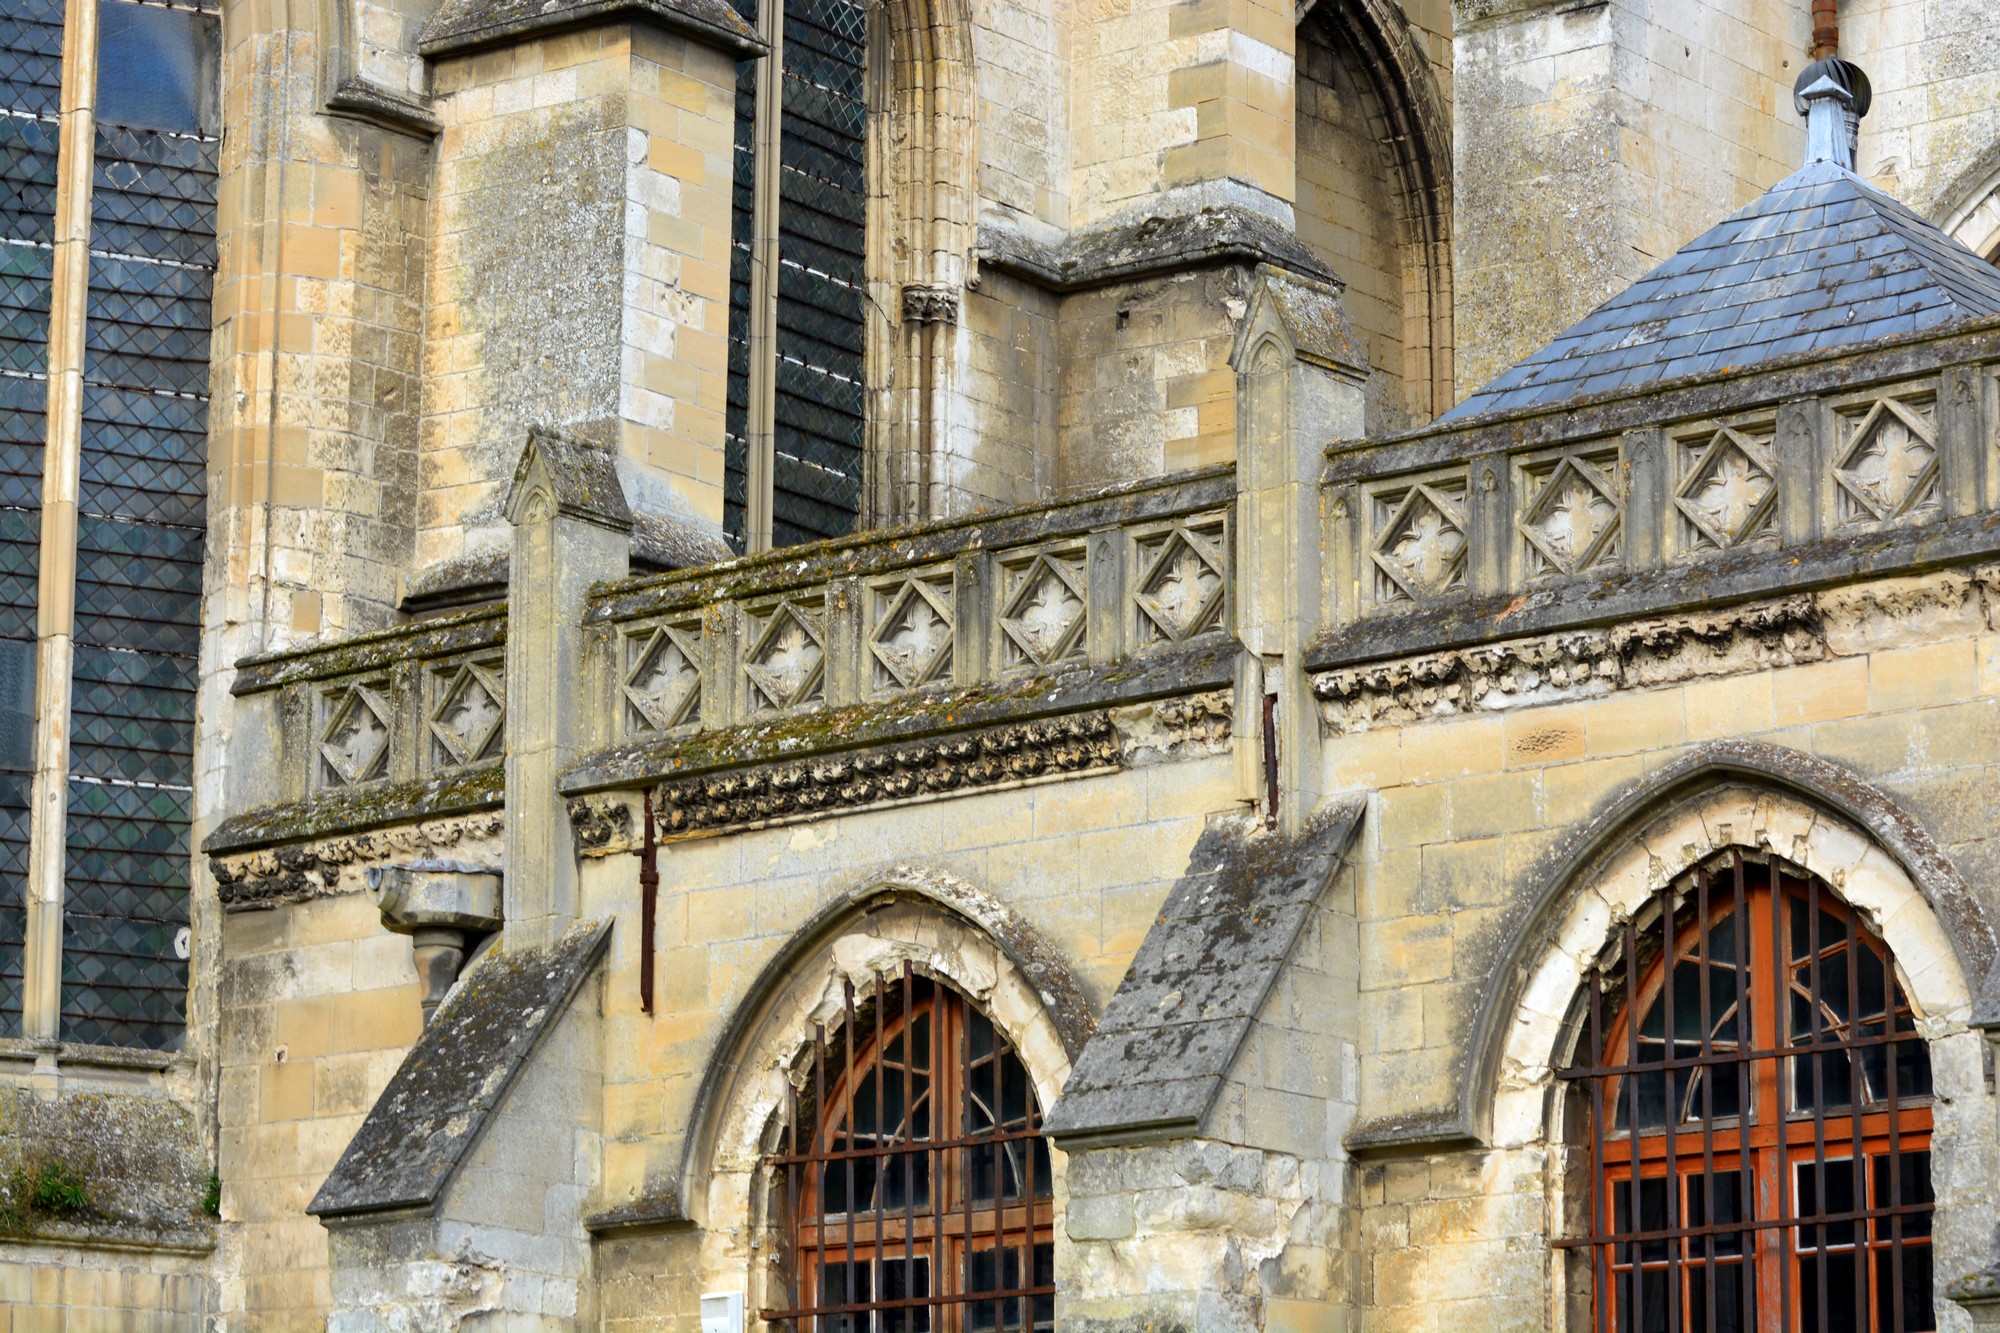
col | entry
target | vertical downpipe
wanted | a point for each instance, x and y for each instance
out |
(649, 905)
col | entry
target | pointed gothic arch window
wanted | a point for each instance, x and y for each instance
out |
(914, 1181)
(1755, 1105)
(794, 425)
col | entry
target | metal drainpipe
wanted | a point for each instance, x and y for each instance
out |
(1826, 29)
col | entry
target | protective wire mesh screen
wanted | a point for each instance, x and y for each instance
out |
(913, 1177)
(822, 225)
(140, 530)
(30, 89)
(1757, 1102)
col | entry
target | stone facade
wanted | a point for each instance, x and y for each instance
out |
(1269, 762)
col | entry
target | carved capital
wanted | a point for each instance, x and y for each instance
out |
(927, 303)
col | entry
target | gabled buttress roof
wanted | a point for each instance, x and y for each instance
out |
(1822, 261)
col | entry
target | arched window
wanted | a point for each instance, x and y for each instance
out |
(793, 427)
(1756, 1103)
(914, 1177)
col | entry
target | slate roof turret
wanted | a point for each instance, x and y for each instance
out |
(1821, 262)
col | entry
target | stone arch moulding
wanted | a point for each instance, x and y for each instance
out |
(957, 933)
(1815, 814)
(1418, 141)
(1969, 209)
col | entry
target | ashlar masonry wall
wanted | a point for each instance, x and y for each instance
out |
(578, 272)
(1082, 863)
(1592, 141)
(1899, 683)
(319, 1005)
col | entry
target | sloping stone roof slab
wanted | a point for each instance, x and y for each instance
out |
(442, 1095)
(1200, 977)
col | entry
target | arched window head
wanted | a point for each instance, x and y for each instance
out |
(1754, 1111)
(913, 1179)
(794, 426)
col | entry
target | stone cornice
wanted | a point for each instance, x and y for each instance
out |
(461, 27)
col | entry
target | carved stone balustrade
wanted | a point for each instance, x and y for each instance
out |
(1573, 549)
(382, 729)
(939, 657)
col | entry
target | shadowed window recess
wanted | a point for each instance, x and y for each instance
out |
(913, 1175)
(1757, 1104)
(797, 277)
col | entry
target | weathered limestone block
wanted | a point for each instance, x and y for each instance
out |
(577, 271)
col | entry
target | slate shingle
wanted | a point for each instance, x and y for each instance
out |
(1822, 261)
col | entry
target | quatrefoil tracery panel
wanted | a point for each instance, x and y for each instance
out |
(354, 734)
(1728, 489)
(1183, 580)
(786, 663)
(1044, 609)
(1889, 467)
(468, 712)
(1573, 519)
(913, 625)
(662, 677)
(1420, 538)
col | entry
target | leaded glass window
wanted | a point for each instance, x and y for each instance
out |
(794, 425)
(134, 417)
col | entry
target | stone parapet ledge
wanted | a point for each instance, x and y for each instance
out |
(1713, 490)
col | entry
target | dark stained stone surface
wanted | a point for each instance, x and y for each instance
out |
(1124, 250)
(1820, 263)
(441, 1096)
(1200, 976)
(582, 476)
(467, 25)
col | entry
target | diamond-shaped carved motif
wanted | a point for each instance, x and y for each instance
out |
(912, 637)
(1891, 467)
(1421, 550)
(354, 735)
(1182, 583)
(787, 659)
(662, 679)
(1043, 617)
(1572, 522)
(1728, 492)
(467, 714)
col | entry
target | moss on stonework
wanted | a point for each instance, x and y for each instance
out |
(104, 1166)
(359, 808)
(926, 542)
(439, 636)
(1207, 664)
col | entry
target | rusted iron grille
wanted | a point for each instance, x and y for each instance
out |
(914, 1176)
(1767, 1165)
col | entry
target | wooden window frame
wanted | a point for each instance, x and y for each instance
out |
(1874, 1133)
(952, 1224)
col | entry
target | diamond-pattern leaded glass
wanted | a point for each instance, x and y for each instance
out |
(154, 196)
(31, 57)
(821, 280)
(140, 539)
(124, 973)
(822, 215)
(148, 326)
(736, 416)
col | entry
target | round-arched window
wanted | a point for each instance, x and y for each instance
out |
(914, 1178)
(1756, 1110)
